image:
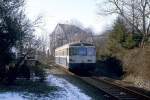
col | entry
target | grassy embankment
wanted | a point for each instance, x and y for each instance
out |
(132, 66)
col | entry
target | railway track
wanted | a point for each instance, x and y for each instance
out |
(119, 92)
(114, 91)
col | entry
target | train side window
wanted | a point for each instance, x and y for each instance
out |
(55, 53)
(62, 52)
(70, 51)
(59, 53)
(90, 51)
(65, 51)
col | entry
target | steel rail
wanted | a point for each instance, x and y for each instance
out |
(114, 90)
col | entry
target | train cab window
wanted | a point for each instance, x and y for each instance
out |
(90, 51)
(73, 51)
(70, 51)
(82, 51)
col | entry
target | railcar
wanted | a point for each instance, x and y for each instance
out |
(78, 56)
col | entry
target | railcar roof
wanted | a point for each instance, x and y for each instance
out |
(76, 44)
(80, 44)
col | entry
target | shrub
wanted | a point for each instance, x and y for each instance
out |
(29, 72)
(39, 71)
(129, 43)
(110, 66)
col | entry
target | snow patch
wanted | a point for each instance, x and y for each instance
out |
(69, 91)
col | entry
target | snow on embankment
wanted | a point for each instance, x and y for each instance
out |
(69, 91)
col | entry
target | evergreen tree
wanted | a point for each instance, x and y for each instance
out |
(129, 42)
(121, 37)
(117, 36)
(14, 27)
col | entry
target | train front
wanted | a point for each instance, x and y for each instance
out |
(82, 57)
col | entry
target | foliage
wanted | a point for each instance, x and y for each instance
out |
(127, 36)
(116, 37)
(24, 71)
(8, 36)
(135, 13)
(129, 42)
(39, 71)
(13, 28)
(121, 38)
(116, 65)
(110, 66)
(132, 40)
(30, 72)
(137, 37)
(119, 31)
(16, 32)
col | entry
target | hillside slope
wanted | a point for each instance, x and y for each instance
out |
(137, 66)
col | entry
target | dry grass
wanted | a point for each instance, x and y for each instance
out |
(137, 65)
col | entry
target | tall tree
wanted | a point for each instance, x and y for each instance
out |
(135, 12)
(14, 29)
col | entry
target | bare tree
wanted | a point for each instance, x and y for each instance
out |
(67, 33)
(135, 12)
(91, 33)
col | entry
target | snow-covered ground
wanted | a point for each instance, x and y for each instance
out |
(66, 91)
(11, 96)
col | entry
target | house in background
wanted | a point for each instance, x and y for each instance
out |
(65, 33)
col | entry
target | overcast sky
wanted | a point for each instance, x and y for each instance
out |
(60, 11)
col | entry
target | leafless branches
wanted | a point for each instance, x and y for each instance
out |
(135, 12)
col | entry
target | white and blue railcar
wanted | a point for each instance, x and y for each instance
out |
(76, 56)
